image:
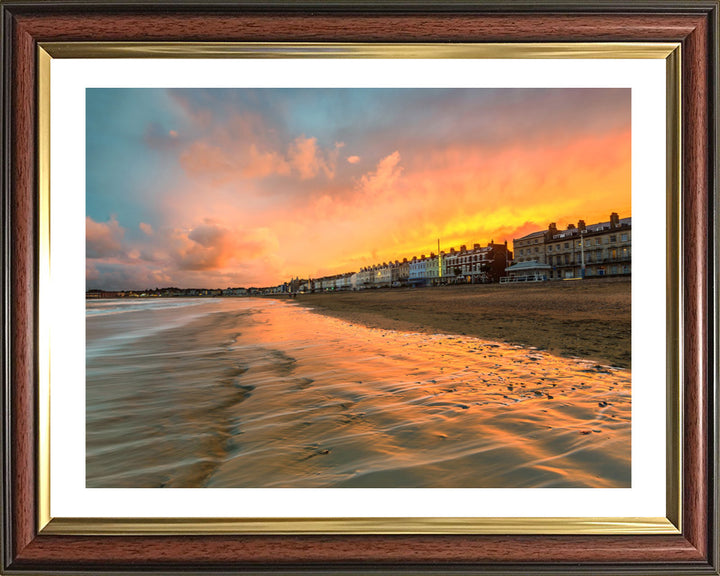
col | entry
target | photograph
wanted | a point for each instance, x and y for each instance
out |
(358, 287)
(351, 286)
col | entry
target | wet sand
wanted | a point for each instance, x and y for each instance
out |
(265, 393)
(585, 319)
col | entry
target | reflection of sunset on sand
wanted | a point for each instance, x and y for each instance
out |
(327, 195)
(589, 319)
(243, 393)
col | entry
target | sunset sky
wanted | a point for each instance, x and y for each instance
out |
(250, 187)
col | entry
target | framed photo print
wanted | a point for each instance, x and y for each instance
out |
(324, 287)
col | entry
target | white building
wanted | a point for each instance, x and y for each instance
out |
(416, 276)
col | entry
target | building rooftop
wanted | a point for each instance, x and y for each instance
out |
(532, 235)
(599, 227)
(592, 228)
(529, 265)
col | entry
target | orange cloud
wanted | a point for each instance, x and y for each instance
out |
(212, 246)
(308, 160)
(103, 239)
(460, 195)
(224, 157)
(261, 164)
(304, 157)
(383, 179)
(264, 194)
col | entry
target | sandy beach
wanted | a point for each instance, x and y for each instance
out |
(586, 319)
(254, 392)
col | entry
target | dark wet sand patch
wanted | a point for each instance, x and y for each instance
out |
(588, 319)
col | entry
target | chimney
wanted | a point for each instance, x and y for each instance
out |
(476, 246)
(452, 250)
(551, 231)
(581, 224)
(614, 220)
(463, 248)
(571, 227)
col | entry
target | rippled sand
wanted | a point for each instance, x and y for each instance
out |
(259, 393)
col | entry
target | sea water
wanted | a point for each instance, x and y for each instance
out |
(254, 392)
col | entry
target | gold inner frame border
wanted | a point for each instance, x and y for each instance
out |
(670, 524)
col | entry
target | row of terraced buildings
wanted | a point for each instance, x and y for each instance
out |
(579, 251)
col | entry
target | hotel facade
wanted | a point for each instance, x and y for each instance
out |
(579, 251)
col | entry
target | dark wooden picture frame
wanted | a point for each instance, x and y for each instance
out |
(28, 23)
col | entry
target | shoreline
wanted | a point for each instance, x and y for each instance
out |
(588, 319)
(258, 393)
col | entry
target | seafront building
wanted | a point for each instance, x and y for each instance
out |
(416, 272)
(426, 271)
(477, 265)
(579, 251)
(530, 248)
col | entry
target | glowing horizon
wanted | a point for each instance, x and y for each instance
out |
(252, 187)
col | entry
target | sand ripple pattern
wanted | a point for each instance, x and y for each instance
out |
(262, 393)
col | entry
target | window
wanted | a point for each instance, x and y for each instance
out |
(613, 238)
(567, 244)
(537, 250)
(549, 248)
(624, 237)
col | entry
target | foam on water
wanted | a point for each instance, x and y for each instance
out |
(128, 320)
(107, 307)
